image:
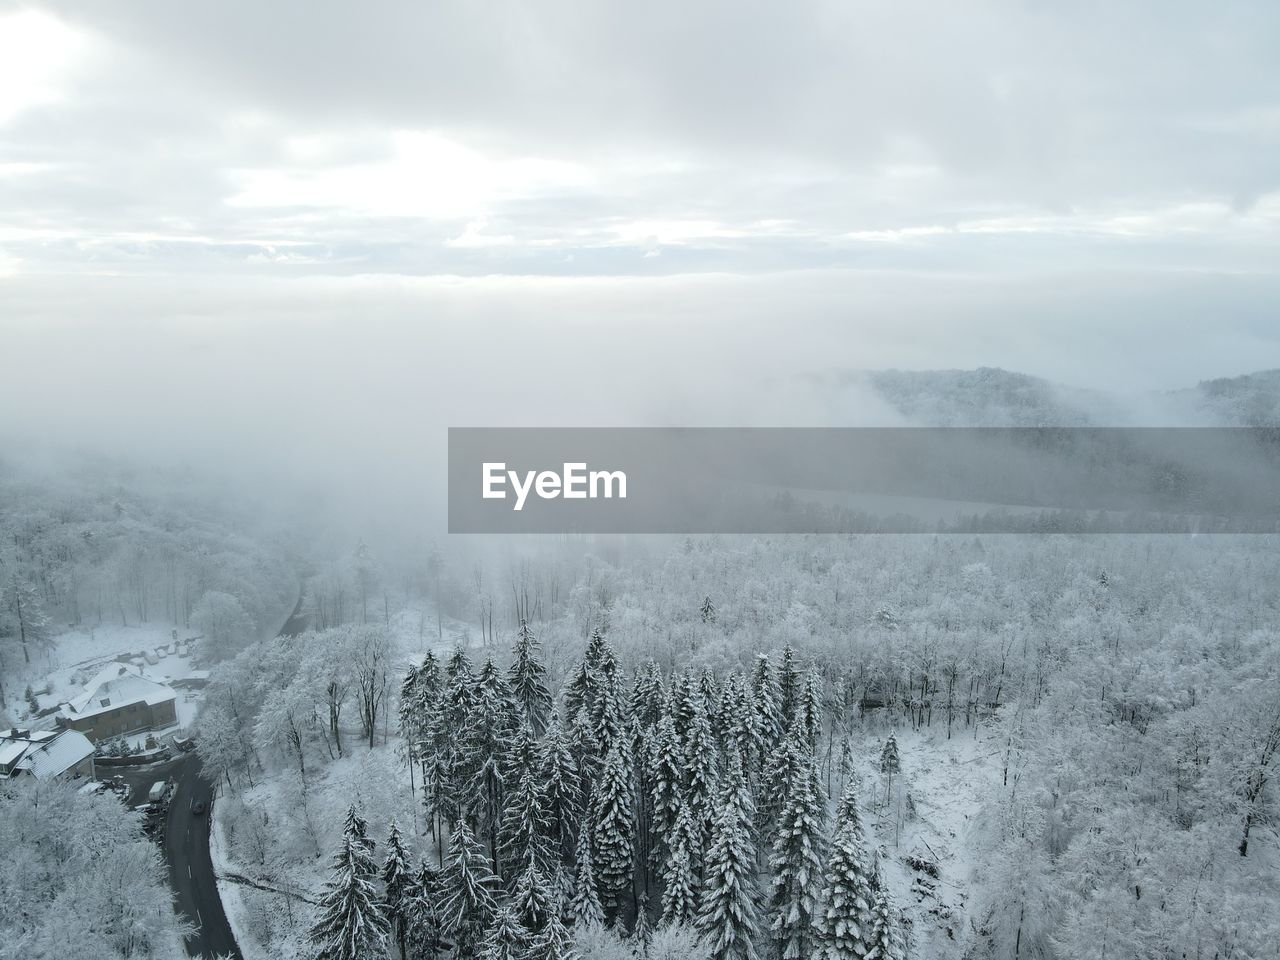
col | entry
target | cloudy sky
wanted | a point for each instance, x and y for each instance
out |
(486, 211)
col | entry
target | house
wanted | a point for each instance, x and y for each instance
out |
(120, 700)
(45, 754)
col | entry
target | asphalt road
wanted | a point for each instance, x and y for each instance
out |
(186, 848)
(186, 845)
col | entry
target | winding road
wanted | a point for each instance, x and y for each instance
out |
(186, 847)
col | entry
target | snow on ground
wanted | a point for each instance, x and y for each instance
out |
(232, 895)
(928, 818)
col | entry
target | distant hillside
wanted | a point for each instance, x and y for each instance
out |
(992, 397)
(987, 396)
(1250, 400)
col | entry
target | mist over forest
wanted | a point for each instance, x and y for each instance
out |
(1018, 745)
(997, 679)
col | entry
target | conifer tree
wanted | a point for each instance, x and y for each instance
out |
(598, 654)
(585, 907)
(680, 875)
(582, 745)
(351, 925)
(442, 763)
(561, 791)
(608, 719)
(642, 930)
(890, 762)
(648, 695)
(613, 835)
(708, 610)
(737, 720)
(580, 691)
(524, 824)
(684, 705)
(469, 885)
(506, 939)
(666, 783)
(886, 931)
(488, 738)
(727, 915)
(397, 883)
(779, 771)
(528, 681)
(797, 863)
(766, 700)
(848, 919)
(808, 721)
(532, 899)
(788, 687)
(700, 777)
(426, 937)
(354, 826)
(555, 942)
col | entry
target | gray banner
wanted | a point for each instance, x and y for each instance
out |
(858, 480)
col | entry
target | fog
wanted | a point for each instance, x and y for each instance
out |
(344, 387)
(290, 247)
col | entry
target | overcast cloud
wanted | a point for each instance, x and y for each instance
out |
(481, 212)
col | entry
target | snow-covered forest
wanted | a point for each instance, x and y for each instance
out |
(930, 746)
(639, 481)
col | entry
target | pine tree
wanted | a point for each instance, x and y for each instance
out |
(613, 839)
(708, 611)
(666, 783)
(354, 826)
(442, 763)
(469, 885)
(609, 719)
(524, 824)
(700, 777)
(581, 742)
(585, 906)
(780, 770)
(808, 719)
(580, 691)
(709, 692)
(648, 695)
(848, 918)
(488, 738)
(598, 653)
(890, 762)
(680, 873)
(561, 791)
(788, 687)
(766, 699)
(398, 883)
(425, 921)
(531, 899)
(528, 681)
(886, 932)
(727, 914)
(797, 861)
(737, 720)
(642, 931)
(506, 939)
(351, 925)
(555, 942)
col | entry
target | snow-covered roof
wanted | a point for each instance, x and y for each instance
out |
(115, 685)
(11, 750)
(45, 754)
